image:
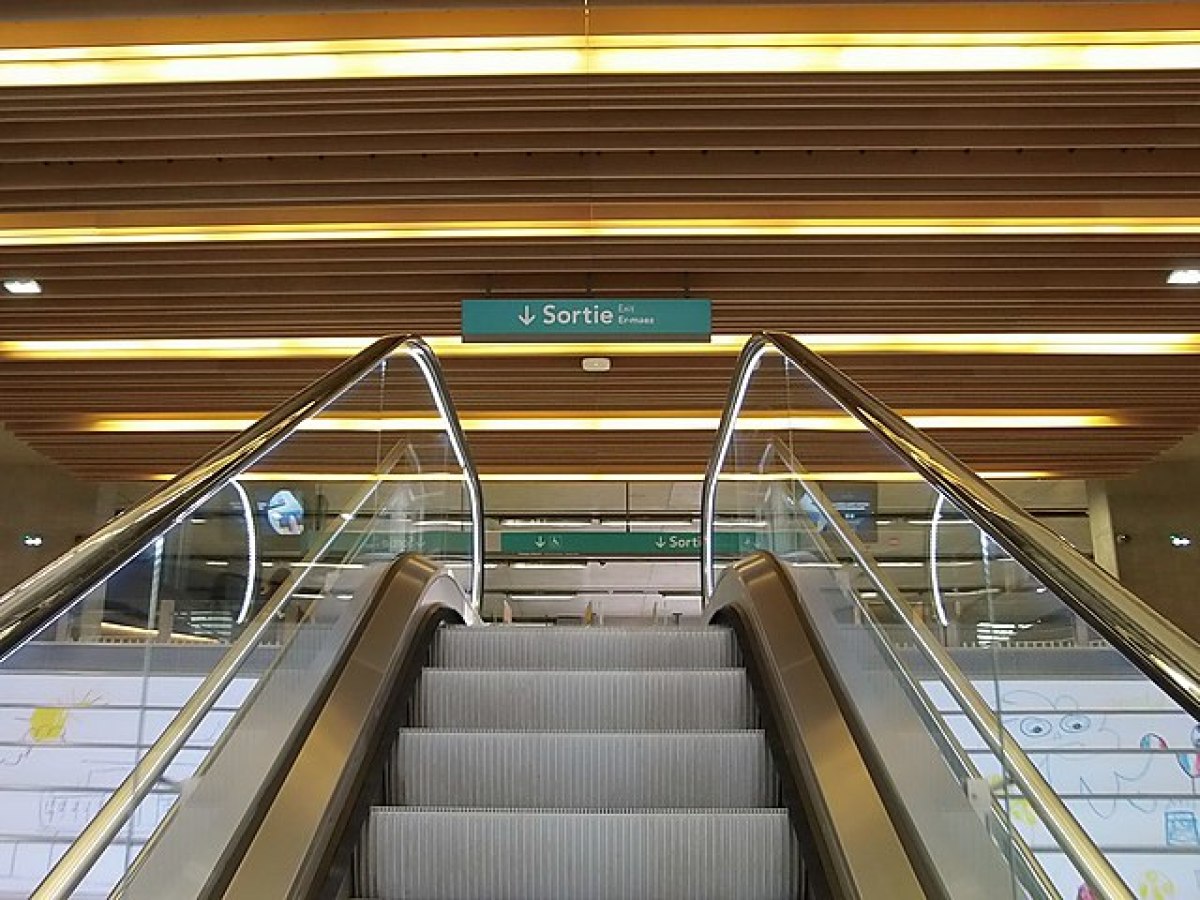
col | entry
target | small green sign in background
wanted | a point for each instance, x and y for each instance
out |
(622, 543)
(393, 543)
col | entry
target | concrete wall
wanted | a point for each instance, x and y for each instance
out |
(38, 498)
(1146, 509)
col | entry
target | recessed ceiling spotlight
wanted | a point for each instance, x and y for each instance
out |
(22, 286)
(596, 364)
(1184, 276)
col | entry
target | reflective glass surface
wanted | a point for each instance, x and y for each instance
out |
(273, 571)
(929, 620)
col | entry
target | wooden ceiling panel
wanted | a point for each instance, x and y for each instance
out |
(931, 145)
(910, 301)
(613, 114)
(1155, 387)
(1092, 453)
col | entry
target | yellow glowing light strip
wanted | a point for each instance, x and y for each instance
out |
(358, 477)
(183, 348)
(1100, 343)
(664, 422)
(275, 348)
(565, 55)
(599, 228)
(871, 476)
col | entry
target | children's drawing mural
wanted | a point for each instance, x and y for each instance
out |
(1126, 763)
(66, 741)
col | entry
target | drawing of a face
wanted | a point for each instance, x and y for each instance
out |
(1121, 783)
(1055, 724)
(1055, 730)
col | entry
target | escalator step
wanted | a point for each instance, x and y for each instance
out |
(589, 770)
(516, 647)
(696, 700)
(427, 854)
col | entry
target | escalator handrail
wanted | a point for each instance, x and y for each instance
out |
(1076, 843)
(51, 592)
(177, 500)
(1163, 652)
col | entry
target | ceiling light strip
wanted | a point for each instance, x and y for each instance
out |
(1099, 344)
(169, 424)
(572, 477)
(1030, 226)
(223, 50)
(566, 55)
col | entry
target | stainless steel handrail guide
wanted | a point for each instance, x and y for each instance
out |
(1076, 843)
(30, 606)
(1030, 872)
(1167, 656)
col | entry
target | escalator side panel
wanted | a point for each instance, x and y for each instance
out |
(812, 854)
(328, 873)
(302, 847)
(235, 782)
(294, 828)
(950, 848)
(840, 814)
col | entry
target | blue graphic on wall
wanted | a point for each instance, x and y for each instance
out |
(285, 513)
(1182, 829)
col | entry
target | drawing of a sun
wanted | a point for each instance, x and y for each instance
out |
(48, 724)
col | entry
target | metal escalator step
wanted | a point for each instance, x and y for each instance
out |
(588, 770)
(696, 700)
(427, 854)
(516, 647)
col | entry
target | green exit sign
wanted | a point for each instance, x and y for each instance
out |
(393, 543)
(586, 319)
(622, 543)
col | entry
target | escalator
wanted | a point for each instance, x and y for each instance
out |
(824, 730)
(581, 763)
(546, 762)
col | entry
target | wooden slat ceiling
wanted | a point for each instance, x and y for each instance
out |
(926, 145)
